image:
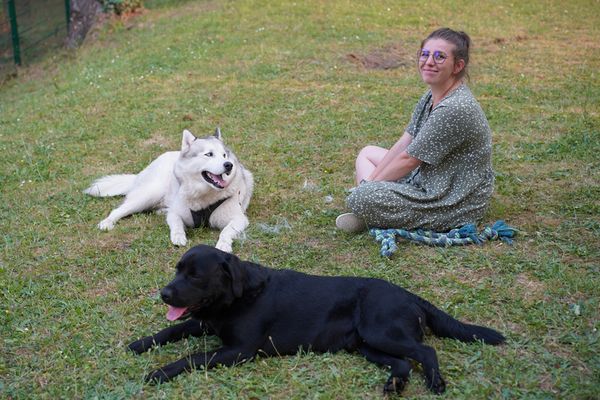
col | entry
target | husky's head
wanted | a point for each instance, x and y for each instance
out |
(206, 158)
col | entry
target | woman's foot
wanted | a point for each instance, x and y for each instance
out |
(351, 223)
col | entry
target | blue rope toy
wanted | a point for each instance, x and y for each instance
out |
(456, 237)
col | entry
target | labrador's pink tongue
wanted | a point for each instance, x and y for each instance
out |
(175, 313)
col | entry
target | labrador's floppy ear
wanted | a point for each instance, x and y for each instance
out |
(232, 267)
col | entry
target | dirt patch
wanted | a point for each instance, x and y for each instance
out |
(518, 38)
(495, 44)
(106, 242)
(102, 290)
(469, 276)
(391, 56)
(160, 141)
(531, 289)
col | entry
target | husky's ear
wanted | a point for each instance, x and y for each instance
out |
(186, 140)
(217, 134)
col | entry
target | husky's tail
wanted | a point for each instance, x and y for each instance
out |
(444, 325)
(111, 185)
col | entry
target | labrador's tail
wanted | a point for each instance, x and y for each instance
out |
(444, 325)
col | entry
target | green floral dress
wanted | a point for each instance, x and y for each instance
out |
(453, 185)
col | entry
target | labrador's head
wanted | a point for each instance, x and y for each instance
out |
(207, 281)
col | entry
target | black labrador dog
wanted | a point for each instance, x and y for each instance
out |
(258, 310)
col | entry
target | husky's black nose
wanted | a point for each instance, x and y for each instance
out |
(228, 166)
(166, 294)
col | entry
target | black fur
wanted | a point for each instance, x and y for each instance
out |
(258, 310)
(202, 217)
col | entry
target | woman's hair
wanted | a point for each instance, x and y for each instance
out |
(461, 42)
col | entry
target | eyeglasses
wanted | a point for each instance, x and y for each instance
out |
(438, 56)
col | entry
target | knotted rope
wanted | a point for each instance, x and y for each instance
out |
(456, 237)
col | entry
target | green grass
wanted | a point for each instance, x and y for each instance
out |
(274, 76)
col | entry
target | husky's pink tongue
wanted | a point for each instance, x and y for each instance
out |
(218, 179)
(175, 313)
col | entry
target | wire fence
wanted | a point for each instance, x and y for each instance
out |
(31, 28)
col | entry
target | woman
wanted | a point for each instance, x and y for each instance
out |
(438, 175)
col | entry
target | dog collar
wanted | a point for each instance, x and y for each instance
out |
(202, 216)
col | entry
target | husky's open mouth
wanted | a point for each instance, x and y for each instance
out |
(215, 180)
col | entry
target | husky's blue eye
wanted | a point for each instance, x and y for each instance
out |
(209, 154)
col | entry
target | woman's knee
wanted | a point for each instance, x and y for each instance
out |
(367, 160)
(372, 153)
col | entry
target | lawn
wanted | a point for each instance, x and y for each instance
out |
(289, 86)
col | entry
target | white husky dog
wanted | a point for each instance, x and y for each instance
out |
(202, 185)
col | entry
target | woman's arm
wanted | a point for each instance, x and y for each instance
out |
(397, 163)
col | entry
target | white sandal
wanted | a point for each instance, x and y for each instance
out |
(351, 223)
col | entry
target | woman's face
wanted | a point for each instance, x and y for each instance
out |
(437, 64)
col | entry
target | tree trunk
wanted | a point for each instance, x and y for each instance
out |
(83, 17)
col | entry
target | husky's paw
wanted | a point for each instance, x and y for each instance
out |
(106, 225)
(226, 247)
(178, 238)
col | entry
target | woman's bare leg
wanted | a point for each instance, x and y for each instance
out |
(367, 160)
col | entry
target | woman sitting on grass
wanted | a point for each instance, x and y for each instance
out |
(438, 175)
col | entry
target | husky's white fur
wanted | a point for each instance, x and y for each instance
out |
(196, 178)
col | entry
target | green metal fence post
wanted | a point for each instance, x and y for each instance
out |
(68, 11)
(12, 15)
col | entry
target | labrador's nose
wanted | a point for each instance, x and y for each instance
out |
(166, 294)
